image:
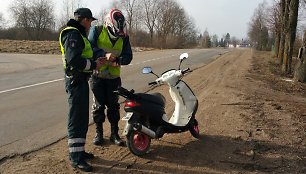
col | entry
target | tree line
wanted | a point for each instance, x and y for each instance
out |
(276, 28)
(151, 23)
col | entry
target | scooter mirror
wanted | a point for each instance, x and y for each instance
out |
(147, 70)
(184, 56)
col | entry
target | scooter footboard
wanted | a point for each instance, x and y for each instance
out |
(175, 129)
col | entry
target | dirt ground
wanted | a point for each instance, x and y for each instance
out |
(251, 121)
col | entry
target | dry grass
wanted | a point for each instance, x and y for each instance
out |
(39, 47)
(29, 47)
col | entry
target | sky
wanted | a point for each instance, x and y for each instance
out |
(216, 16)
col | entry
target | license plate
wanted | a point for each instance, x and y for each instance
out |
(127, 116)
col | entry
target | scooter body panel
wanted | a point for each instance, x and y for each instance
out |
(185, 103)
(149, 105)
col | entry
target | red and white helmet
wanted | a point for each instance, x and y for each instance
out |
(115, 24)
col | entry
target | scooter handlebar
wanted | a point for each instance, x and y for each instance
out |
(186, 71)
(152, 83)
(125, 93)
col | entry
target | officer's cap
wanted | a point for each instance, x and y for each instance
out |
(83, 13)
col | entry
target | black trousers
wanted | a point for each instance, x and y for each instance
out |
(105, 98)
(78, 116)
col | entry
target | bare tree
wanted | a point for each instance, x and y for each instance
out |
(151, 12)
(2, 21)
(258, 30)
(206, 40)
(166, 20)
(43, 17)
(283, 29)
(21, 10)
(184, 29)
(284, 22)
(130, 8)
(215, 40)
(115, 4)
(293, 6)
(300, 70)
(273, 22)
(227, 39)
(35, 17)
(192, 35)
(173, 27)
(67, 9)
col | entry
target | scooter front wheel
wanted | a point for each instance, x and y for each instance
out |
(194, 129)
(138, 143)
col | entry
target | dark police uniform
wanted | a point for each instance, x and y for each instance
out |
(78, 64)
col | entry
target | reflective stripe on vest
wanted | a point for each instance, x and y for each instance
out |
(105, 43)
(87, 52)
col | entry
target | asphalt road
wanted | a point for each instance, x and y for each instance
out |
(33, 102)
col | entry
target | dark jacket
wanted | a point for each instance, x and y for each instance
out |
(73, 44)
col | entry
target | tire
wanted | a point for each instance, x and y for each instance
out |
(138, 143)
(194, 129)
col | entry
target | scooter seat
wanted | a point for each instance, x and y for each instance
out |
(156, 98)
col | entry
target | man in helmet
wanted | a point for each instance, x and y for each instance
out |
(77, 56)
(111, 41)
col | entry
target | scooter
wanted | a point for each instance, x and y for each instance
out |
(145, 113)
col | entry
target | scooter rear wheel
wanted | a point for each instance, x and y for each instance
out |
(138, 143)
(194, 129)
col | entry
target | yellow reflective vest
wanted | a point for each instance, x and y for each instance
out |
(87, 52)
(105, 43)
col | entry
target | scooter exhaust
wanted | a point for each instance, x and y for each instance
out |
(144, 130)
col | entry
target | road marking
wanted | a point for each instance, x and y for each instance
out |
(150, 60)
(28, 86)
(43, 83)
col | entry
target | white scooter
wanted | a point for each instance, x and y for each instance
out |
(145, 113)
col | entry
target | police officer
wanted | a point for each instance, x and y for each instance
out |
(77, 57)
(112, 42)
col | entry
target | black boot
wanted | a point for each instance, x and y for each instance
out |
(87, 155)
(78, 161)
(98, 140)
(82, 165)
(115, 137)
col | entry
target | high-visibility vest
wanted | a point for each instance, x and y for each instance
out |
(87, 52)
(105, 43)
